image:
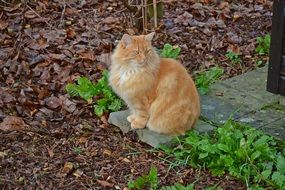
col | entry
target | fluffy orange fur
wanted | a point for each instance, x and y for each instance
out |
(159, 92)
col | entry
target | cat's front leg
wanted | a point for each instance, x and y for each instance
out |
(139, 116)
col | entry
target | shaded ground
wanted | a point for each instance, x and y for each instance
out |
(45, 44)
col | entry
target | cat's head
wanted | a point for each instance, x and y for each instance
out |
(135, 51)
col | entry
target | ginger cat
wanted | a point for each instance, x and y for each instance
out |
(159, 92)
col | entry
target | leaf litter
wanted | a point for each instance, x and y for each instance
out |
(50, 140)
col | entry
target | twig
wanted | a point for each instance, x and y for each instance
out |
(5, 2)
(143, 18)
(155, 13)
(62, 13)
(131, 8)
(144, 7)
(38, 15)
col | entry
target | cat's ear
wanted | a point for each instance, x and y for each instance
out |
(126, 40)
(150, 36)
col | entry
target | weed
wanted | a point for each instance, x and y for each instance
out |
(203, 80)
(170, 51)
(233, 57)
(106, 101)
(259, 63)
(150, 180)
(178, 186)
(243, 152)
(77, 150)
(263, 45)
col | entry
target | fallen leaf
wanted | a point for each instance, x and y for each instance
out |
(5, 96)
(236, 16)
(68, 166)
(50, 152)
(110, 20)
(87, 55)
(53, 102)
(78, 173)
(3, 24)
(107, 152)
(13, 123)
(70, 32)
(126, 160)
(3, 154)
(30, 14)
(82, 140)
(56, 56)
(41, 43)
(105, 183)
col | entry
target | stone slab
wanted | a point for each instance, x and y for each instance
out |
(282, 100)
(261, 118)
(241, 100)
(252, 83)
(276, 129)
(203, 127)
(119, 119)
(218, 110)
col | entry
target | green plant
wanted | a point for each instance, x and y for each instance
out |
(150, 180)
(263, 44)
(178, 186)
(170, 51)
(84, 88)
(77, 150)
(233, 57)
(106, 99)
(259, 63)
(203, 80)
(243, 152)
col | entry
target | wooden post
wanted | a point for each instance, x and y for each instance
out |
(276, 69)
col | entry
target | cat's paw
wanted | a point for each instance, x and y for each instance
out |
(136, 125)
(131, 118)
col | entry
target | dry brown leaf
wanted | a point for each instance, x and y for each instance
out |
(110, 20)
(107, 152)
(68, 166)
(30, 14)
(78, 173)
(70, 33)
(13, 123)
(50, 152)
(3, 154)
(87, 55)
(3, 24)
(105, 183)
(82, 140)
(53, 102)
(126, 160)
(56, 56)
